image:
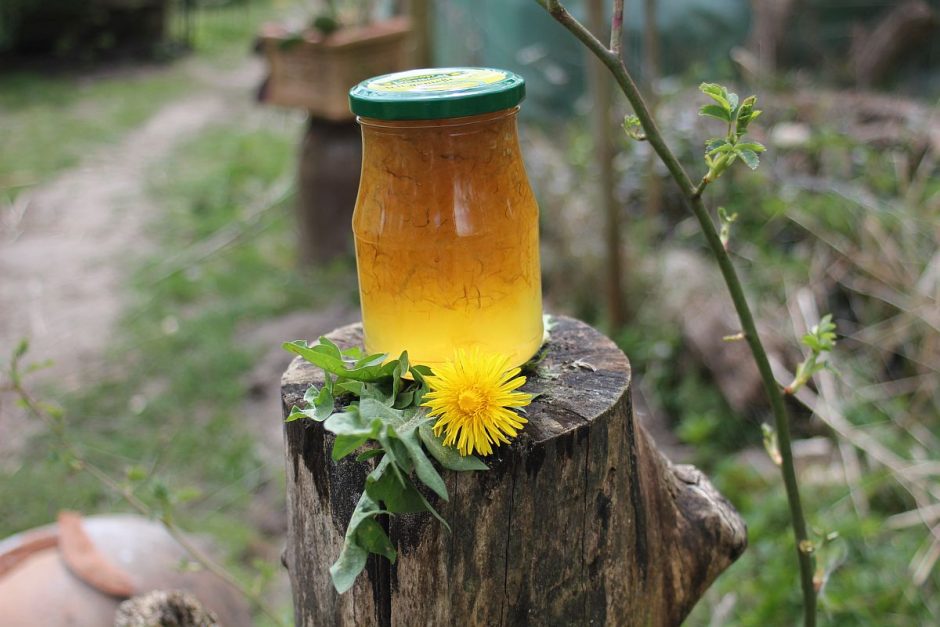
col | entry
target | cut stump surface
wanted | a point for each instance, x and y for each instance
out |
(580, 521)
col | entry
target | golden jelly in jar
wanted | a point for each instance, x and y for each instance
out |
(446, 224)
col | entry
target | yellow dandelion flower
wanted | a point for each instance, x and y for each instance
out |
(471, 396)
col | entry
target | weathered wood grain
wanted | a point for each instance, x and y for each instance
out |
(581, 521)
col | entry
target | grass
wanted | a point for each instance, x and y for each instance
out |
(52, 120)
(51, 123)
(159, 412)
(863, 222)
(167, 415)
(865, 564)
(225, 33)
(173, 412)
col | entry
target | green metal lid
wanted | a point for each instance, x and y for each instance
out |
(435, 93)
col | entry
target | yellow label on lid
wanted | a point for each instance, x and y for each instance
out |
(436, 81)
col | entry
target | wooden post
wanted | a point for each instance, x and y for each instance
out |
(580, 521)
(328, 181)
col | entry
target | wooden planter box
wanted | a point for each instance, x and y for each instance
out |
(315, 73)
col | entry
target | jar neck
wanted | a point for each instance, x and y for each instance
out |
(415, 145)
(484, 119)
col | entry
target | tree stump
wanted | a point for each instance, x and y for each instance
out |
(580, 521)
(328, 181)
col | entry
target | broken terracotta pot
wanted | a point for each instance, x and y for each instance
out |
(75, 573)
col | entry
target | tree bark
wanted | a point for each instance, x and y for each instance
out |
(580, 521)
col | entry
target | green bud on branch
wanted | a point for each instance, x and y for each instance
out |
(770, 444)
(820, 340)
(633, 128)
(726, 221)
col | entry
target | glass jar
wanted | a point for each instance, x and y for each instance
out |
(446, 224)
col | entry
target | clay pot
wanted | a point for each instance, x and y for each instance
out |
(76, 573)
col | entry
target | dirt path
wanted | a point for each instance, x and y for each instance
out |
(62, 262)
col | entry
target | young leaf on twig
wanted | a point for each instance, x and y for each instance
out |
(721, 152)
(820, 340)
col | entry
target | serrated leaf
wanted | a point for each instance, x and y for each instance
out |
(352, 559)
(732, 101)
(322, 402)
(374, 408)
(422, 465)
(434, 512)
(398, 494)
(353, 352)
(346, 444)
(350, 422)
(419, 372)
(322, 356)
(374, 452)
(371, 360)
(395, 449)
(401, 368)
(821, 337)
(717, 93)
(373, 538)
(404, 399)
(348, 387)
(745, 115)
(749, 157)
(715, 111)
(811, 342)
(721, 149)
(448, 456)
(327, 347)
(295, 414)
(376, 392)
(311, 394)
(715, 142)
(755, 146)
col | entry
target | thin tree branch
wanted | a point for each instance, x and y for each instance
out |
(601, 89)
(616, 28)
(693, 197)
